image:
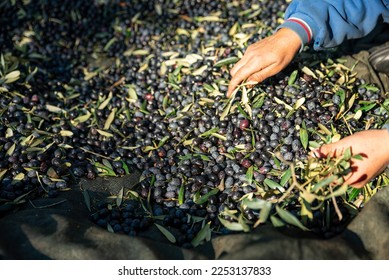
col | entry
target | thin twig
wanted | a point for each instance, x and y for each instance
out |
(47, 206)
(340, 216)
(93, 153)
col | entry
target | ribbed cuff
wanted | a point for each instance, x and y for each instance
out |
(301, 28)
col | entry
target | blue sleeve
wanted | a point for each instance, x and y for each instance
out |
(328, 23)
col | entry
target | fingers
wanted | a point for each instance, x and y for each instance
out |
(268, 71)
(324, 151)
(238, 66)
(243, 72)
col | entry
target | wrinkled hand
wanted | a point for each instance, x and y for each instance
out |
(372, 145)
(265, 58)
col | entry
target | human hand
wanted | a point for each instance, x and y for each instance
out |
(372, 145)
(265, 58)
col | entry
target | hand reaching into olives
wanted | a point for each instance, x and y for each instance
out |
(265, 58)
(372, 145)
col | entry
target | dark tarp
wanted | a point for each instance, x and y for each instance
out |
(65, 231)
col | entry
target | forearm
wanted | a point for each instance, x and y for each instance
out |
(327, 23)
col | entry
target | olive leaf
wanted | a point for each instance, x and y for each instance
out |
(250, 174)
(226, 61)
(272, 184)
(323, 183)
(255, 203)
(292, 77)
(234, 226)
(181, 195)
(169, 236)
(289, 218)
(202, 235)
(86, 196)
(119, 198)
(304, 137)
(12, 77)
(110, 119)
(276, 221)
(285, 177)
(204, 198)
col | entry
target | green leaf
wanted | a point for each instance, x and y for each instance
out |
(81, 119)
(285, 177)
(104, 169)
(109, 44)
(241, 220)
(109, 228)
(358, 157)
(181, 195)
(324, 183)
(259, 102)
(304, 137)
(11, 150)
(227, 108)
(140, 52)
(2, 173)
(169, 236)
(299, 103)
(146, 149)
(119, 198)
(53, 109)
(203, 157)
(338, 192)
(86, 196)
(265, 212)
(271, 184)
(325, 129)
(354, 193)
(255, 203)
(66, 133)
(276, 221)
(104, 133)
(289, 218)
(249, 174)
(202, 235)
(125, 167)
(107, 163)
(240, 109)
(358, 114)
(209, 132)
(292, 77)
(208, 87)
(110, 119)
(234, 226)
(132, 93)
(347, 154)
(306, 209)
(368, 107)
(351, 101)
(12, 77)
(217, 135)
(163, 141)
(106, 101)
(370, 87)
(204, 198)
(277, 162)
(309, 72)
(226, 61)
